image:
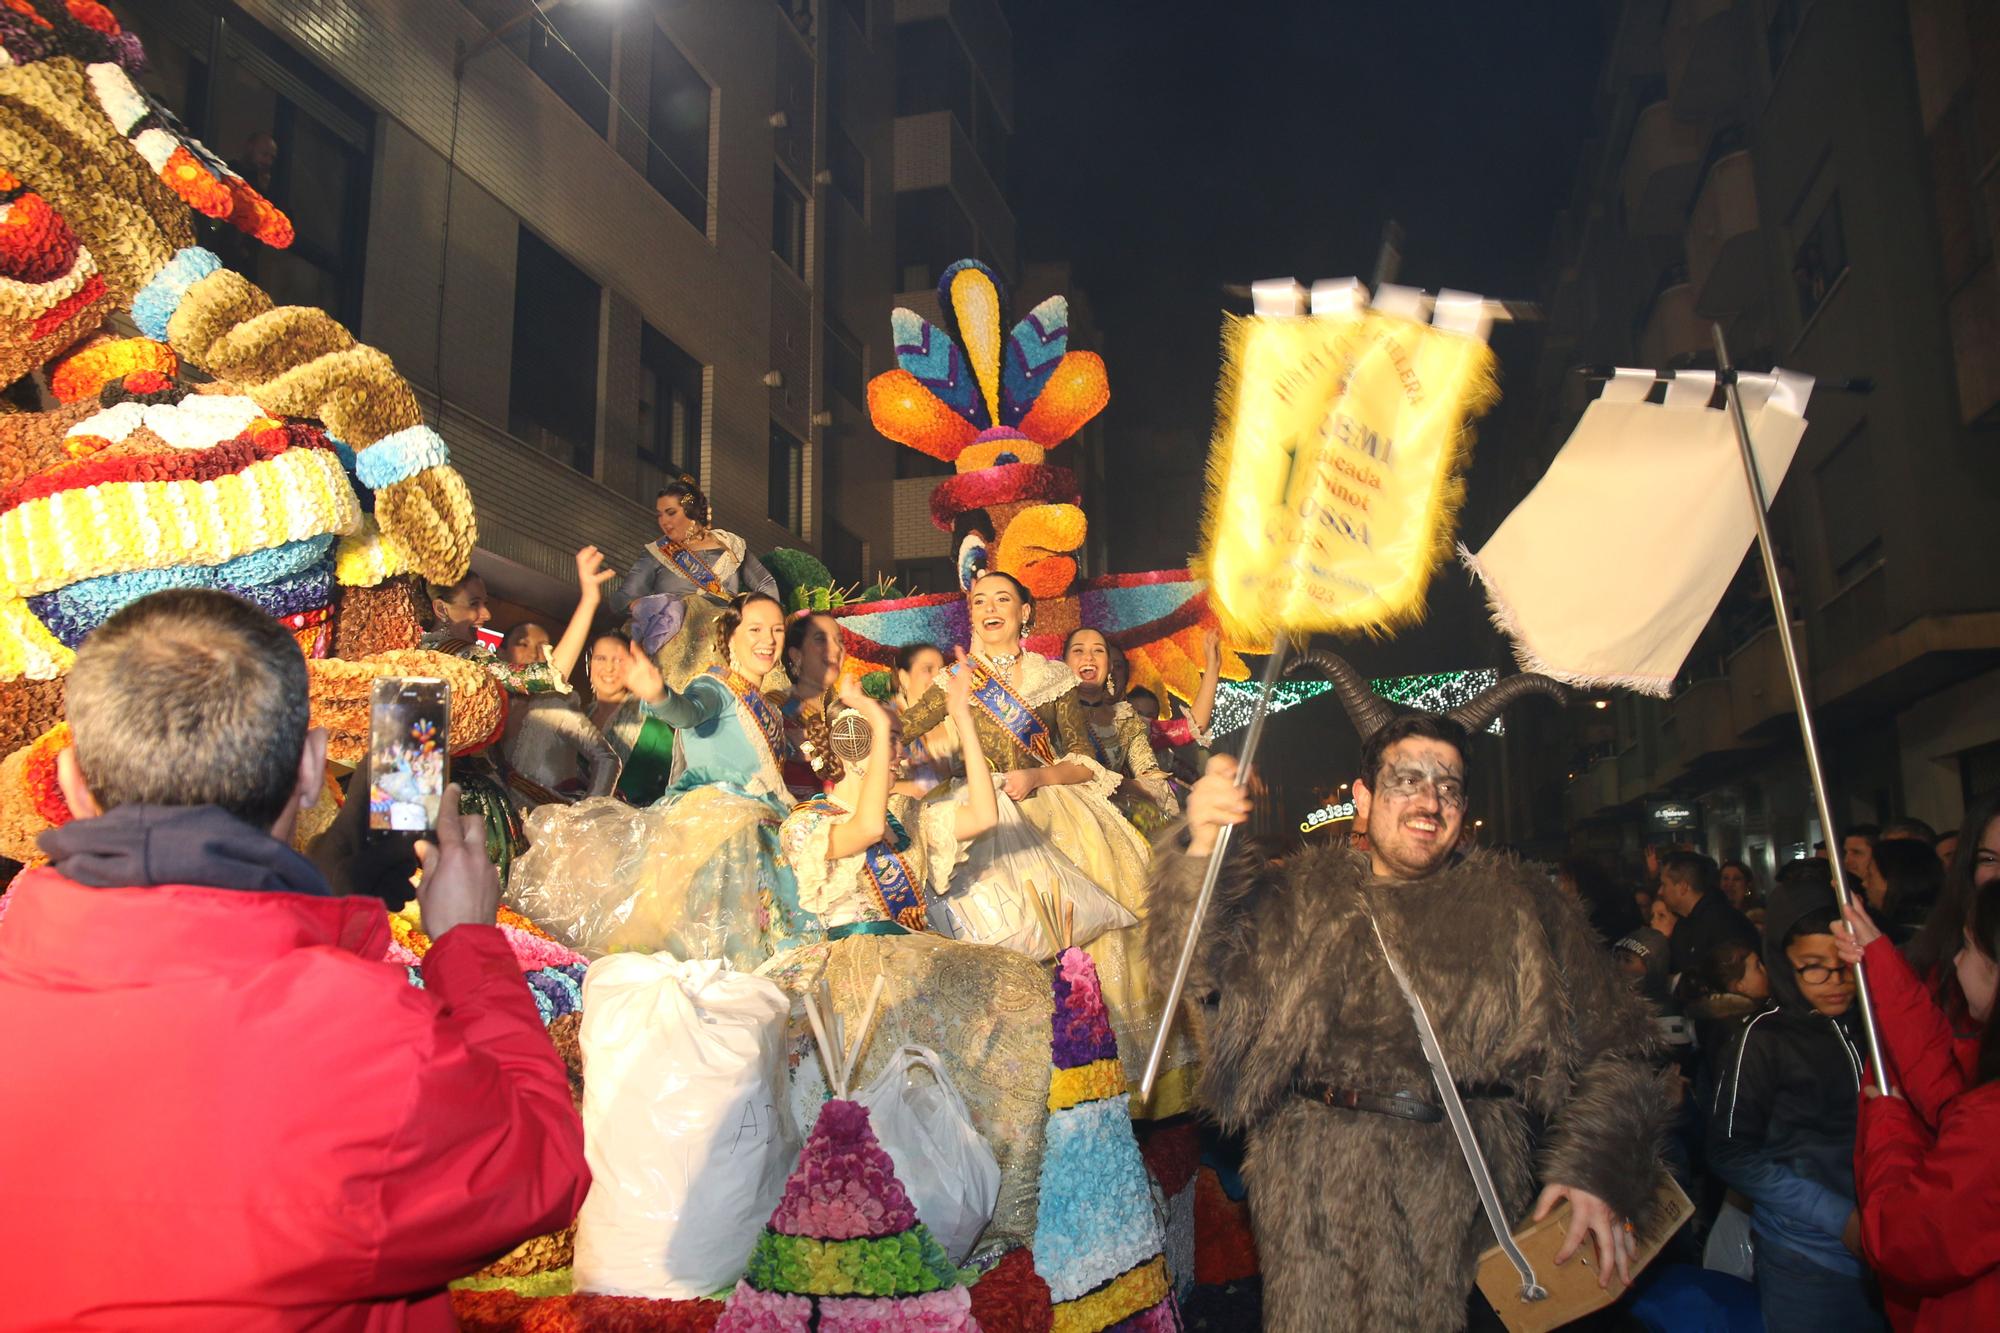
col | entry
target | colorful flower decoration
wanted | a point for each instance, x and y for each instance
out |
(1098, 1244)
(993, 405)
(844, 1248)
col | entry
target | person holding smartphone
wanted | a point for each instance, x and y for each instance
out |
(222, 1108)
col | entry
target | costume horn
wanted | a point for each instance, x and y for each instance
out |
(1476, 714)
(1369, 711)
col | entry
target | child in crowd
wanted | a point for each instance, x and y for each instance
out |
(1781, 1132)
(1928, 1164)
(1734, 985)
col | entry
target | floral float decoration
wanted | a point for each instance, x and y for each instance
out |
(1098, 1243)
(233, 444)
(993, 404)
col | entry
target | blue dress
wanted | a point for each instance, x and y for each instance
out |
(697, 874)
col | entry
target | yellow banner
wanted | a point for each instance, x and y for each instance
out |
(1334, 479)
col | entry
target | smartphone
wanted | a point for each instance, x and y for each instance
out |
(409, 762)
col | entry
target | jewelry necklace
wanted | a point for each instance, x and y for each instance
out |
(1005, 661)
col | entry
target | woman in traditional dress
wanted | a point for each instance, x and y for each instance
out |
(674, 595)
(861, 855)
(1119, 737)
(859, 869)
(812, 656)
(1032, 729)
(696, 874)
(932, 758)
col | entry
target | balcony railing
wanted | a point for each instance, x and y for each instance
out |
(1660, 170)
(1723, 250)
(1702, 50)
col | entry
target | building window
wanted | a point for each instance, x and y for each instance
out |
(933, 72)
(785, 479)
(849, 167)
(1821, 259)
(299, 137)
(677, 112)
(846, 364)
(568, 47)
(788, 223)
(989, 133)
(1850, 508)
(845, 553)
(932, 233)
(670, 402)
(552, 405)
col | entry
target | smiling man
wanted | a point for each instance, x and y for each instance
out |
(1364, 1208)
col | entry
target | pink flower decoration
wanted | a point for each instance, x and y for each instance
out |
(753, 1311)
(948, 1310)
(844, 1186)
(534, 951)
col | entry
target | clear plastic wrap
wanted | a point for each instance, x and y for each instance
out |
(696, 876)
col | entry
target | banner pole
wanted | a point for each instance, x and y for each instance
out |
(1274, 666)
(1808, 735)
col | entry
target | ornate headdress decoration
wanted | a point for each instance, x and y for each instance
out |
(1371, 712)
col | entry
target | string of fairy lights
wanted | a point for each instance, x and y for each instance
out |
(1434, 693)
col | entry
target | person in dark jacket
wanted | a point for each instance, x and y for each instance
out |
(1691, 886)
(1782, 1128)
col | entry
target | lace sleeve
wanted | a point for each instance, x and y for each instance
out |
(937, 825)
(804, 842)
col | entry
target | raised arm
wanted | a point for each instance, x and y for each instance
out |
(1211, 674)
(978, 812)
(703, 700)
(591, 576)
(636, 583)
(929, 709)
(1916, 1036)
(871, 815)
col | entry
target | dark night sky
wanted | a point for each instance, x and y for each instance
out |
(1167, 149)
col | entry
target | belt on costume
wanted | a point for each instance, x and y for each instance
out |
(864, 928)
(1401, 1105)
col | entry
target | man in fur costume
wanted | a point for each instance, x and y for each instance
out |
(1365, 1213)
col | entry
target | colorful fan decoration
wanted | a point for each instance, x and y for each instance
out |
(993, 405)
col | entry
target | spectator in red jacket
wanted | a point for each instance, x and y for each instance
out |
(221, 1107)
(1927, 1166)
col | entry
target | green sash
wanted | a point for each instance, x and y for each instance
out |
(644, 778)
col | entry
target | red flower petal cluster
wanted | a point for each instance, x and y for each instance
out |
(1012, 1298)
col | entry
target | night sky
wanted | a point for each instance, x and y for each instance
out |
(1169, 149)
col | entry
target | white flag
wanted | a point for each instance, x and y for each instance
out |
(1607, 572)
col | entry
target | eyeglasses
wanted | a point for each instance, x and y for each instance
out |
(1819, 975)
(1403, 784)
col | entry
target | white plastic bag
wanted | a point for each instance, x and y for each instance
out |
(946, 1168)
(685, 1124)
(1731, 1247)
(992, 893)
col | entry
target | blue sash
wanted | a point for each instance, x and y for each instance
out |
(886, 872)
(1012, 713)
(766, 717)
(696, 570)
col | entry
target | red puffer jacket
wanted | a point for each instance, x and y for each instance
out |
(1930, 1206)
(220, 1111)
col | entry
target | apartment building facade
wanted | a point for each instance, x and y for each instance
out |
(1815, 176)
(608, 245)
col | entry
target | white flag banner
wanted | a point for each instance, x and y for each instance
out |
(1607, 572)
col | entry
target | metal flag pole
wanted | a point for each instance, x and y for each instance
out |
(1808, 736)
(1274, 666)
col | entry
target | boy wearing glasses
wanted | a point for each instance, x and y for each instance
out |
(1782, 1132)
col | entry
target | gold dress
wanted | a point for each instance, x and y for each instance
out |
(1080, 821)
(1126, 746)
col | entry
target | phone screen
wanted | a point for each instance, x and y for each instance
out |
(408, 759)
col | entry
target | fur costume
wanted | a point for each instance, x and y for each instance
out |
(1367, 1221)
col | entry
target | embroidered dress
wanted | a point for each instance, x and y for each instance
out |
(696, 874)
(1147, 799)
(884, 884)
(1036, 721)
(673, 595)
